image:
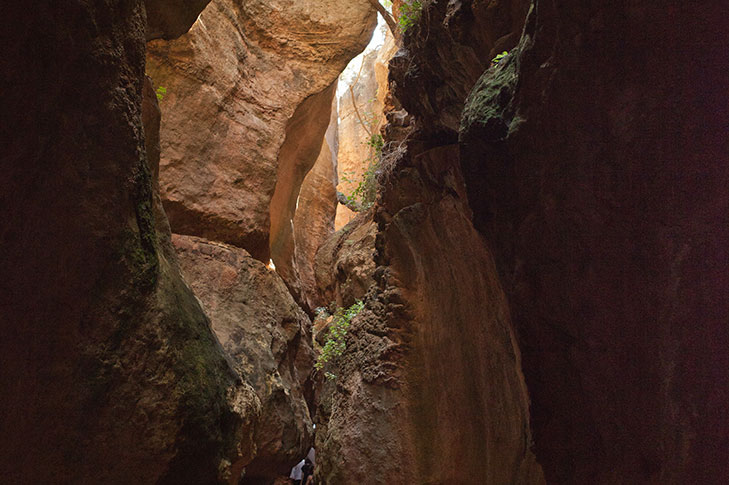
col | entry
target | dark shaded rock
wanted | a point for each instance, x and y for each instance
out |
(595, 163)
(446, 52)
(169, 19)
(108, 368)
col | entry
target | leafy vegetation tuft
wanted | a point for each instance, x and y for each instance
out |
(365, 194)
(499, 57)
(410, 12)
(161, 92)
(336, 344)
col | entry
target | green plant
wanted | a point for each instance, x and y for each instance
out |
(410, 11)
(161, 91)
(364, 195)
(499, 57)
(336, 343)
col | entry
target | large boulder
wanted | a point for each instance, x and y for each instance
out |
(248, 93)
(268, 339)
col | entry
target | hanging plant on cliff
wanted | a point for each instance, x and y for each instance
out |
(336, 343)
(410, 11)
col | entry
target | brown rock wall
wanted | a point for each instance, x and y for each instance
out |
(315, 211)
(430, 387)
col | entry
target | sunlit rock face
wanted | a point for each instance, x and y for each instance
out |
(108, 368)
(268, 340)
(236, 86)
(595, 165)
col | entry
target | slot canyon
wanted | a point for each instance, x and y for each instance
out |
(422, 242)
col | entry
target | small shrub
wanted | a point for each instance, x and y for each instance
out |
(161, 91)
(365, 194)
(410, 12)
(499, 57)
(336, 344)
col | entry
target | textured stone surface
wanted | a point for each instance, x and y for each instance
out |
(345, 265)
(429, 389)
(596, 167)
(268, 339)
(108, 368)
(233, 84)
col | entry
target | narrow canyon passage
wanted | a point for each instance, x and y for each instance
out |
(417, 242)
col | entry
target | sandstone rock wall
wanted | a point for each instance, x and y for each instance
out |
(109, 370)
(595, 165)
(430, 387)
(233, 84)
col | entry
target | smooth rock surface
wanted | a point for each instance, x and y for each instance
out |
(233, 84)
(315, 211)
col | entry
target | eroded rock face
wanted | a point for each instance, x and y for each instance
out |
(432, 368)
(109, 370)
(268, 339)
(233, 84)
(345, 265)
(594, 161)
